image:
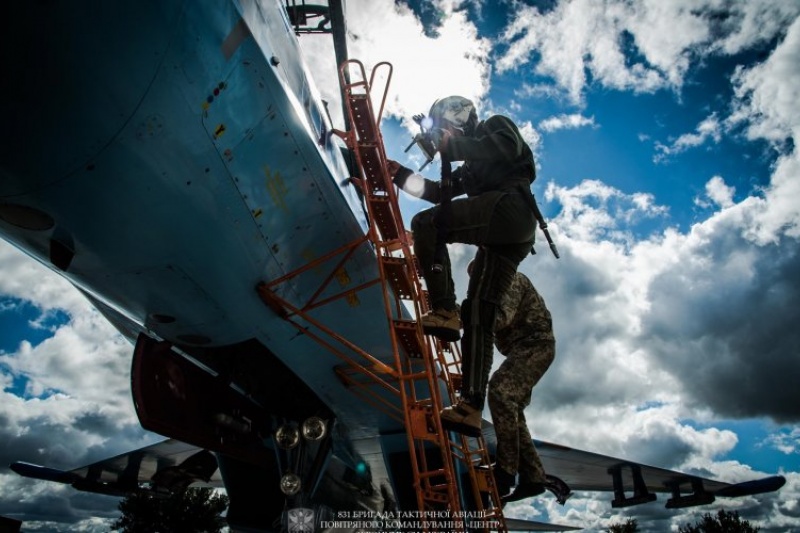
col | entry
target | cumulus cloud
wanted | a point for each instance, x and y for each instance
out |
(58, 364)
(562, 122)
(633, 46)
(656, 333)
(721, 320)
(726, 322)
(76, 408)
(453, 60)
(766, 103)
(709, 128)
(787, 442)
(718, 193)
(593, 210)
(767, 92)
(713, 307)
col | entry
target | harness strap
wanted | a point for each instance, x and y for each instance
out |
(530, 199)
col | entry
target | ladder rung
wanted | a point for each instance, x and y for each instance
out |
(425, 300)
(363, 122)
(385, 218)
(437, 497)
(430, 474)
(396, 269)
(484, 480)
(422, 425)
(408, 335)
(415, 376)
(372, 166)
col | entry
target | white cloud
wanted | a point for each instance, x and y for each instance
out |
(661, 319)
(34, 282)
(531, 136)
(454, 61)
(566, 122)
(652, 334)
(787, 442)
(718, 192)
(579, 38)
(750, 23)
(767, 104)
(538, 90)
(593, 210)
(709, 128)
(59, 363)
(77, 407)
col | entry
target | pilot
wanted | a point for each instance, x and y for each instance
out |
(496, 215)
(524, 335)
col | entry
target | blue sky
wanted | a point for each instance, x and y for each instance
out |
(664, 134)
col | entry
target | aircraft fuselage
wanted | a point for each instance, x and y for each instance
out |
(168, 156)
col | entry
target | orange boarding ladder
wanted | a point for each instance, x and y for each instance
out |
(420, 392)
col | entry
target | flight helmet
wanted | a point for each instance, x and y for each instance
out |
(455, 114)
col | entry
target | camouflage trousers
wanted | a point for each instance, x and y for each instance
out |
(509, 393)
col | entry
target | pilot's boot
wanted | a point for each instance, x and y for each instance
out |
(504, 481)
(525, 489)
(462, 418)
(442, 323)
(558, 487)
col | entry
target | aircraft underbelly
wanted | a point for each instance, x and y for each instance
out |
(221, 173)
(80, 70)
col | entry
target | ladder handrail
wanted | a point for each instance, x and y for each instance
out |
(385, 89)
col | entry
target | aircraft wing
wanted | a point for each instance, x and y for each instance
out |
(515, 524)
(165, 466)
(633, 483)
(173, 465)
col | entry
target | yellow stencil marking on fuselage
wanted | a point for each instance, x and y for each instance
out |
(276, 188)
(343, 277)
(352, 299)
(308, 256)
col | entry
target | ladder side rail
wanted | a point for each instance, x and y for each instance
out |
(369, 137)
(416, 455)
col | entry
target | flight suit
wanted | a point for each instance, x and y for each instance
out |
(497, 216)
(524, 334)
